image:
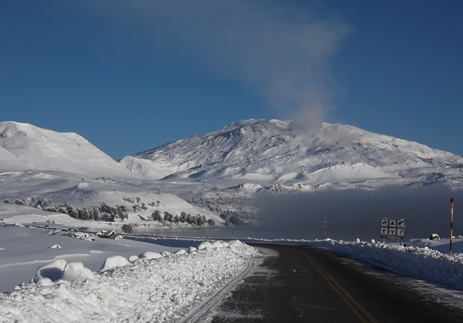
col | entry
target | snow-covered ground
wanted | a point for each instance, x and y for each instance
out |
(66, 276)
(49, 274)
(52, 275)
(424, 259)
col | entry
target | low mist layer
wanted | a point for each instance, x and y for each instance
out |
(357, 214)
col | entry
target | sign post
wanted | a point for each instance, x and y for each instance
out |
(325, 227)
(392, 228)
(451, 224)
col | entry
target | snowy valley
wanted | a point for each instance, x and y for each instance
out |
(225, 177)
(218, 173)
(61, 198)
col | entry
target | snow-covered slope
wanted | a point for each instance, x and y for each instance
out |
(27, 147)
(57, 169)
(277, 154)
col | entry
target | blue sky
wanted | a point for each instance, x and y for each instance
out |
(133, 75)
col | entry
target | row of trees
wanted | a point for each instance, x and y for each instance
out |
(33, 201)
(106, 212)
(195, 220)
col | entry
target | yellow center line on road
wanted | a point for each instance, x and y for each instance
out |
(356, 307)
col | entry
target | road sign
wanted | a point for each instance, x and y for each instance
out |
(392, 228)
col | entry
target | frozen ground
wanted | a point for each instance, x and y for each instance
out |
(51, 275)
(109, 280)
(60, 275)
(54, 275)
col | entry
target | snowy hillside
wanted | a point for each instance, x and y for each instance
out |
(96, 204)
(57, 190)
(216, 173)
(64, 178)
(277, 155)
(27, 147)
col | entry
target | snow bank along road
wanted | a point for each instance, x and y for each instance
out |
(152, 287)
(306, 284)
(219, 281)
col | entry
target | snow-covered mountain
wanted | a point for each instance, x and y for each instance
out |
(214, 172)
(274, 153)
(27, 147)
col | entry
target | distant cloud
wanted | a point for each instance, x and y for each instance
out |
(281, 52)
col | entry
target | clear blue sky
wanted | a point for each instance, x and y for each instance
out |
(133, 75)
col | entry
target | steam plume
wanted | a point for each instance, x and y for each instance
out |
(282, 53)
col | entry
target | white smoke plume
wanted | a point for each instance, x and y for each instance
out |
(281, 51)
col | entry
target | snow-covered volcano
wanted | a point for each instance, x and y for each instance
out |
(27, 147)
(250, 154)
(276, 153)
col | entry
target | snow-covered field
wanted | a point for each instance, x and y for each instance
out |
(52, 275)
(57, 276)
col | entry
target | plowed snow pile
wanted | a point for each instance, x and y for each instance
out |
(160, 289)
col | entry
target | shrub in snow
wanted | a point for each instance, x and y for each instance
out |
(112, 235)
(79, 235)
(127, 228)
(20, 202)
(114, 262)
(102, 234)
(434, 236)
(150, 255)
(156, 215)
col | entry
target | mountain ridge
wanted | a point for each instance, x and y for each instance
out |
(248, 154)
(268, 152)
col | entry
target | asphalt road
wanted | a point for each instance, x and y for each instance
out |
(303, 284)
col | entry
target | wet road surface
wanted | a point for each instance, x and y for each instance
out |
(303, 284)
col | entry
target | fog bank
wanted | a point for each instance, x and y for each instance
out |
(355, 214)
